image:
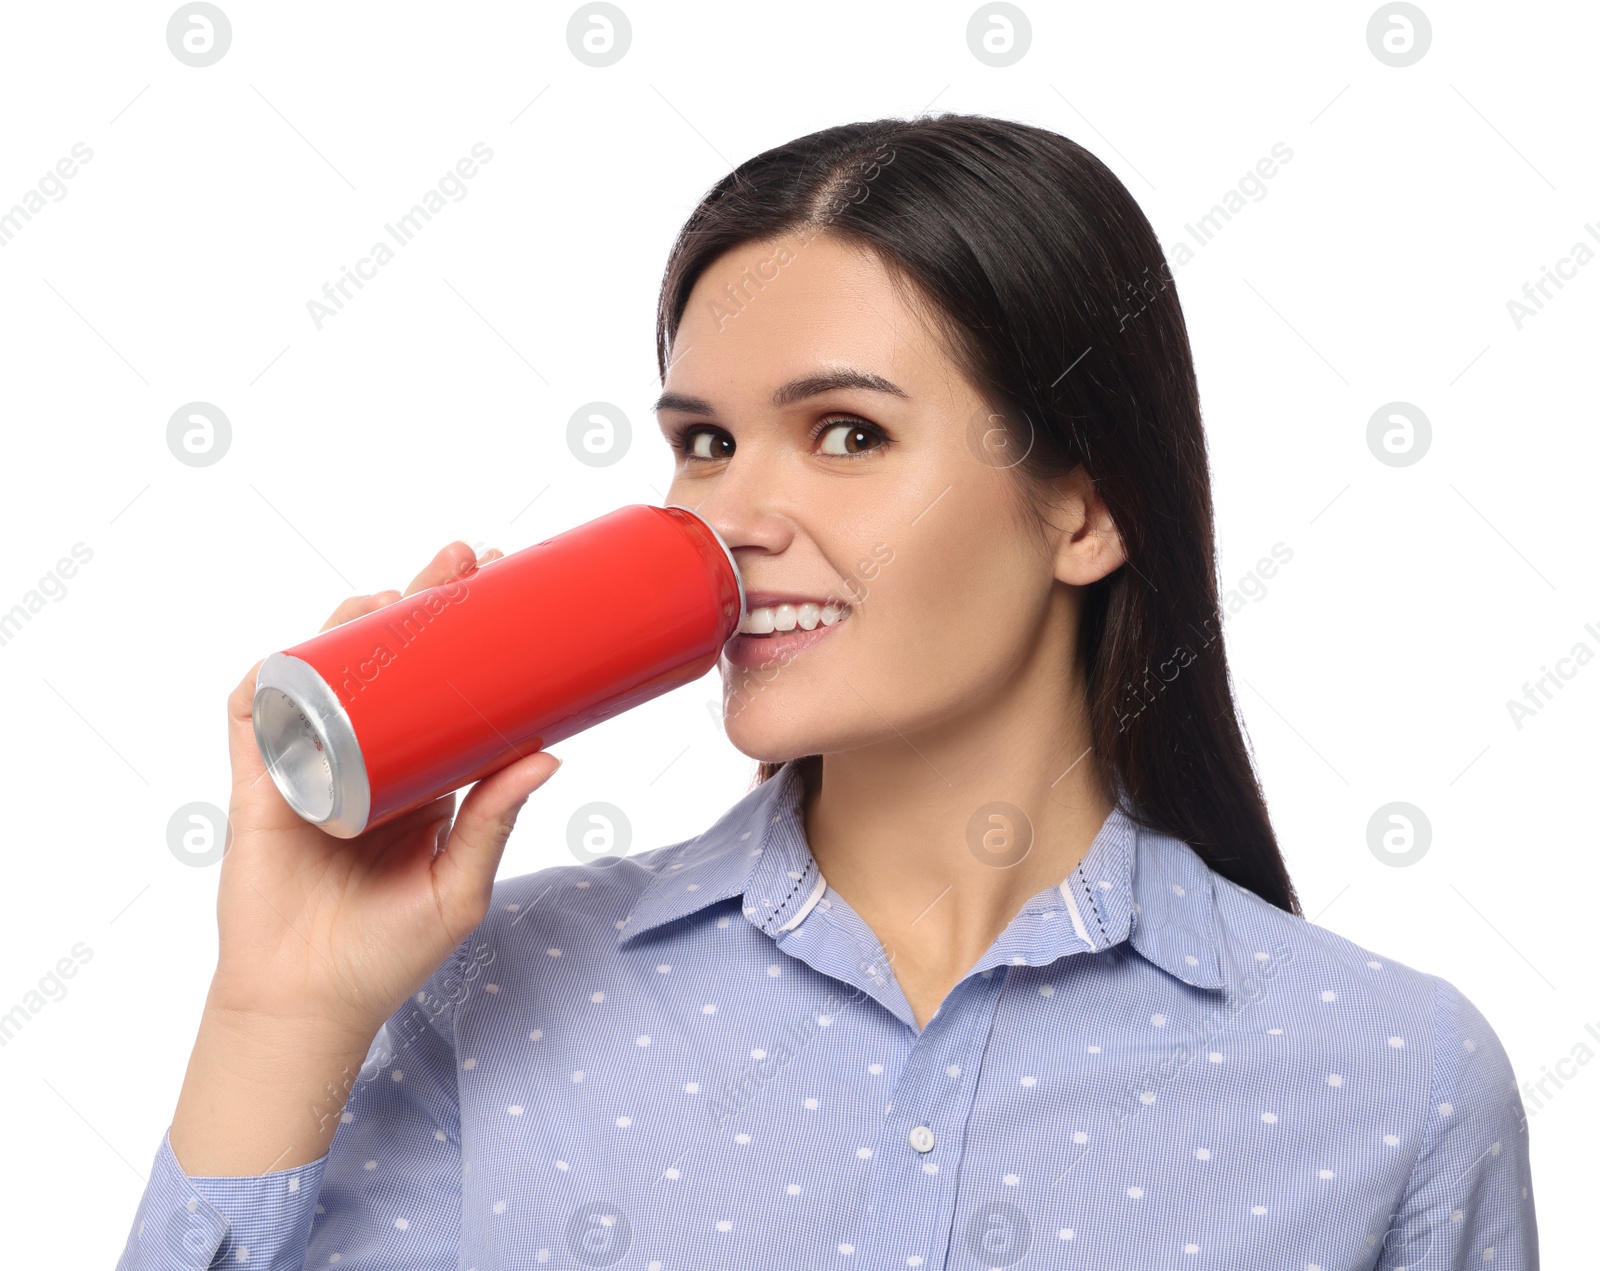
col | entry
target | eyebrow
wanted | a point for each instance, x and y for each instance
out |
(794, 391)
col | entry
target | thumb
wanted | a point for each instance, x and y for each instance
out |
(464, 870)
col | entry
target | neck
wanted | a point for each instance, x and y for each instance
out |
(916, 835)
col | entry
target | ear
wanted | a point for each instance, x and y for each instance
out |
(1087, 543)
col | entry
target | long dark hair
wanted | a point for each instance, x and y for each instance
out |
(1057, 303)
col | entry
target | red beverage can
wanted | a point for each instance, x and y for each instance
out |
(390, 710)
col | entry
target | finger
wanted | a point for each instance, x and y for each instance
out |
(243, 754)
(354, 607)
(464, 871)
(451, 561)
(252, 787)
(357, 606)
(494, 553)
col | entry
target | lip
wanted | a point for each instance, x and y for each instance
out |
(753, 651)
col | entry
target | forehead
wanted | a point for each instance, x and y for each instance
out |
(769, 310)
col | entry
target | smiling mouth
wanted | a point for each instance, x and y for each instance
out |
(751, 651)
(792, 619)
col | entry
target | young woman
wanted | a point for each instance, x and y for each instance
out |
(997, 965)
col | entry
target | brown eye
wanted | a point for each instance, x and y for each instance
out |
(849, 433)
(714, 447)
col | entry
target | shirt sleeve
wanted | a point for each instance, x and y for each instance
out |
(1469, 1200)
(387, 1193)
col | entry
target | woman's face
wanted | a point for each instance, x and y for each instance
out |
(878, 495)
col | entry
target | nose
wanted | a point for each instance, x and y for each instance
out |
(746, 531)
(745, 508)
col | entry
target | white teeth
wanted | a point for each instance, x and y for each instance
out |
(786, 617)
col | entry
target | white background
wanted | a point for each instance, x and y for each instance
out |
(1376, 667)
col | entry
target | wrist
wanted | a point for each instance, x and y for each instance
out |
(243, 1004)
(266, 1030)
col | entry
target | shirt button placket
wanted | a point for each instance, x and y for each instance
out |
(918, 1198)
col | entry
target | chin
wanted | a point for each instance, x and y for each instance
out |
(764, 734)
(764, 744)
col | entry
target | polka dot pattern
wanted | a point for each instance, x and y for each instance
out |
(1152, 1065)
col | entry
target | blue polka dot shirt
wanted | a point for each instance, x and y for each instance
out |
(698, 1057)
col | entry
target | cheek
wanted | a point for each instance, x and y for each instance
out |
(949, 598)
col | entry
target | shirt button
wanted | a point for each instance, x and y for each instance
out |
(922, 1138)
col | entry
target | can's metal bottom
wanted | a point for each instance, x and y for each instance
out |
(309, 745)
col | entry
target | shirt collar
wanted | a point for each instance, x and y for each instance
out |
(1134, 884)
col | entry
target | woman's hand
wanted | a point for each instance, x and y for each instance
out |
(336, 933)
